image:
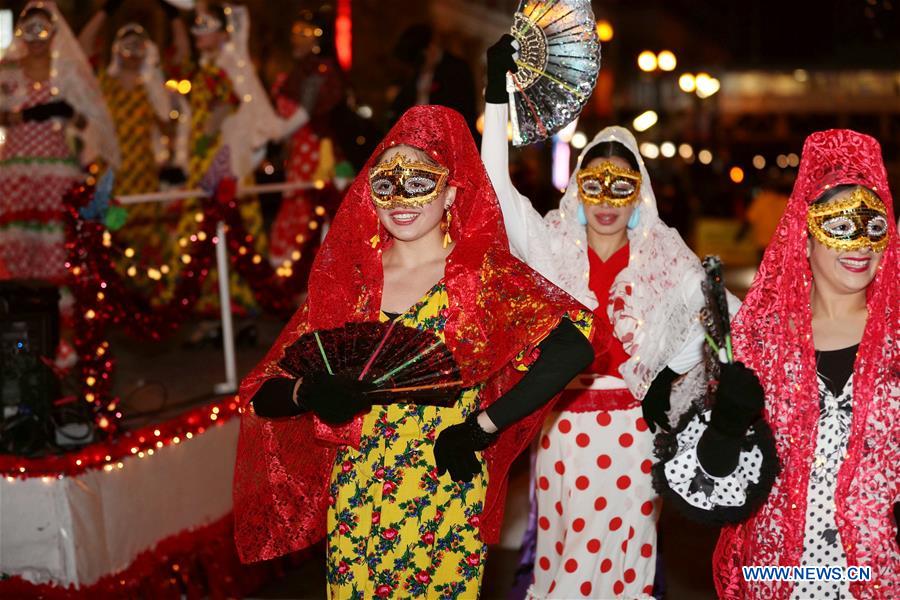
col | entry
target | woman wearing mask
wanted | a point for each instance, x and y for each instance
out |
(407, 495)
(605, 245)
(817, 338)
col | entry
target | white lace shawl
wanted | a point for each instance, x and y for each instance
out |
(660, 289)
(247, 130)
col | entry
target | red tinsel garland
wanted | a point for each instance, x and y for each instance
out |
(194, 564)
(104, 298)
(143, 442)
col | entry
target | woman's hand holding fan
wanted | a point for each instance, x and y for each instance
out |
(335, 399)
(346, 370)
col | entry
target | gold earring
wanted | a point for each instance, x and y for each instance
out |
(445, 226)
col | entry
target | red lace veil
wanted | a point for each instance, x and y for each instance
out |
(498, 308)
(773, 335)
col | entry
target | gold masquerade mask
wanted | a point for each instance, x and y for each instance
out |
(608, 184)
(852, 223)
(403, 181)
(205, 23)
(132, 41)
(36, 28)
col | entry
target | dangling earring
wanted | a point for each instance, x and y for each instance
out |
(376, 239)
(582, 218)
(445, 227)
(634, 219)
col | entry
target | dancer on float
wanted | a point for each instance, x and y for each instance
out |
(817, 338)
(152, 126)
(48, 95)
(605, 245)
(231, 122)
(314, 82)
(408, 508)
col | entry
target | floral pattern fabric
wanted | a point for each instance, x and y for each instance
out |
(395, 528)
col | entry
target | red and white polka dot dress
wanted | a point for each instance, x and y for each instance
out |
(596, 506)
(597, 509)
(292, 222)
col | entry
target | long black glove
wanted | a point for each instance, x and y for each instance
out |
(42, 112)
(455, 447)
(656, 402)
(499, 61)
(111, 6)
(275, 399)
(171, 10)
(739, 404)
(334, 398)
(172, 175)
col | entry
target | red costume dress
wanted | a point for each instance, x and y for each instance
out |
(498, 310)
(317, 83)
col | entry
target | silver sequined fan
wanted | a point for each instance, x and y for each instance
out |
(559, 58)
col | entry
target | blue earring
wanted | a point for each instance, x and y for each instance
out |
(582, 218)
(634, 219)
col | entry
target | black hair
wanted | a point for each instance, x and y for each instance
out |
(413, 42)
(217, 10)
(36, 10)
(322, 18)
(834, 191)
(612, 150)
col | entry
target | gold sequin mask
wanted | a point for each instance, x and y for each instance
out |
(132, 42)
(205, 24)
(852, 223)
(609, 184)
(36, 28)
(403, 181)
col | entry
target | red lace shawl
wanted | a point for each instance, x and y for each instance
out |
(498, 307)
(773, 335)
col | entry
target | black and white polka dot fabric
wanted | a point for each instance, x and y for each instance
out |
(701, 490)
(821, 540)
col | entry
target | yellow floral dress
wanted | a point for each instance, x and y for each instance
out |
(210, 87)
(395, 528)
(135, 121)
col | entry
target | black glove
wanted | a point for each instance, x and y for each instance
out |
(739, 403)
(111, 6)
(334, 398)
(275, 399)
(656, 402)
(171, 10)
(42, 112)
(172, 175)
(499, 61)
(455, 447)
(897, 522)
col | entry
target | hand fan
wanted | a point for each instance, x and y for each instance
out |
(714, 315)
(402, 364)
(559, 58)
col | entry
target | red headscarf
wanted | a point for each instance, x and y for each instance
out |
(498, 307)
(773, 336)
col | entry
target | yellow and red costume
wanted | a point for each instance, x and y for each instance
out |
(394, 526)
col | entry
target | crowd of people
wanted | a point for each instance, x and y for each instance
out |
(579, 330)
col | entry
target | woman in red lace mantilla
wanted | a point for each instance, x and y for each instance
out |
(407, 495)
(820, 330)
